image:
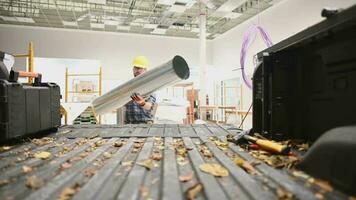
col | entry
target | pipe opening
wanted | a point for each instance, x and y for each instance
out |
(180, 67)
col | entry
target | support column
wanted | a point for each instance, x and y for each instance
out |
(202, 58)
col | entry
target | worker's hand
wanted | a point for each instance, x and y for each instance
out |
(136, 97)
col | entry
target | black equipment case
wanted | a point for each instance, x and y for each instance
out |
(306, 84)
(27, 109)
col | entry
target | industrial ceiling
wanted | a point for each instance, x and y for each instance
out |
(178, 18)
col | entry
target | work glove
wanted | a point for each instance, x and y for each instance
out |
(136, 97)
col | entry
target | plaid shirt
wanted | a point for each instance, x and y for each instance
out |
(135, 114)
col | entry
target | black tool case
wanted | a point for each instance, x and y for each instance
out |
(28, 109)
(306, 84)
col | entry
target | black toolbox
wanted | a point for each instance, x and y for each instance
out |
(306, 84)
(27, 109)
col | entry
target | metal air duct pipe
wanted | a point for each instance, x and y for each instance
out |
(166, 74)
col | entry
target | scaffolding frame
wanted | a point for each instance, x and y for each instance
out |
(30, 56)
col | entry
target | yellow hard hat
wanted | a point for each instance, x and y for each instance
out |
(141, 62)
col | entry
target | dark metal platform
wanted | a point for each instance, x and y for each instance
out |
(96, 169)
(143, 130)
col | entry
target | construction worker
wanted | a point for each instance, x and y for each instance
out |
(141, 109)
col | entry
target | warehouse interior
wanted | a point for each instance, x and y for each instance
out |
(203, 60)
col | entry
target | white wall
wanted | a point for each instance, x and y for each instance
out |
(114, 50)
(281, 21)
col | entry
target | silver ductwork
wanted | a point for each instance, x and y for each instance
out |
(166, 74)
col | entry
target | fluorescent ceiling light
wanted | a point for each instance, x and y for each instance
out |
(166, 2)
(230, 5)
(182, 1)
(111, 22)
(140, 20)
(25, 19)
(190, 3)
(135, 24)
(211, 23)
(208, 4)
(226, 9)
(66, 23)
(18, 19)
(232, 15)
(10, 19)
(123, 28)
(178, 8)
(82, 17)
(97, 1)
(97, 25)
(160, 31)
(195, 30)
(114, 20)
(151, 26)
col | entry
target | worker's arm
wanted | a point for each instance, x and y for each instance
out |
(145, 104)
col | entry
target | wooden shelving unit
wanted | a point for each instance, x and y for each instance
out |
(99, 91)
(67, 92)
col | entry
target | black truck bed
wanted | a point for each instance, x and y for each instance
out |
(84, 163)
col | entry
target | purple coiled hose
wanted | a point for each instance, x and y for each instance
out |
(246, 44)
